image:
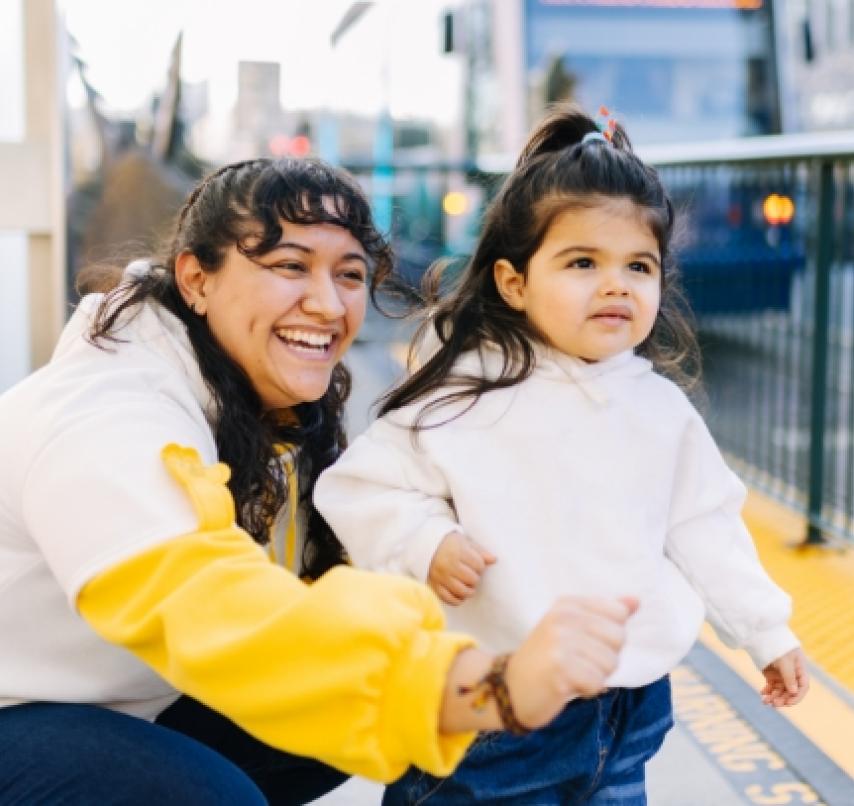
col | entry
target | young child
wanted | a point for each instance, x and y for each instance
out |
(541, 451)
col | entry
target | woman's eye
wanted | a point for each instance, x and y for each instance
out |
(289, 267)
(355, 275)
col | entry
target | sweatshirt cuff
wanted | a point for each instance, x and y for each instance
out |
(421, 547)
(767, 646)
(415, 690)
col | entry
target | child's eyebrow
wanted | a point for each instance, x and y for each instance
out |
(568, 250)
(649, 256)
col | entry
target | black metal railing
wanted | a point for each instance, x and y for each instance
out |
(769, 270)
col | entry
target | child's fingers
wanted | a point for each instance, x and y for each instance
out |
(631, 602)
(476, 555)
(459, 588)
(471, 557)
(465, 574)
(789, 676)
(446, 596)
(785, 700)
(803, 676)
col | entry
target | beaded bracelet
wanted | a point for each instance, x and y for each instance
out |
(493, 684)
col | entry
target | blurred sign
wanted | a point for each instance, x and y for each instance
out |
(743, 5)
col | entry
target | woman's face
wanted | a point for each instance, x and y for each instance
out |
(288, 316)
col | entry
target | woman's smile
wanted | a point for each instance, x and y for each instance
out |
(308, 343)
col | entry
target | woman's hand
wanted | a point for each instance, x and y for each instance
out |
(570, 653)
(457, 567)
(786, 679)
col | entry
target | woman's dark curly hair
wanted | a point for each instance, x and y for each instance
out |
(557, 171)
(242, 199)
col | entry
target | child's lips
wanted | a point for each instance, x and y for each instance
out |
(613, 313)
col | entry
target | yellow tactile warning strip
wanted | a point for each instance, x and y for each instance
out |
(821, 582)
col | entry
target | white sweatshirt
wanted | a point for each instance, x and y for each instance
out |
(594, 479)
(70, 501)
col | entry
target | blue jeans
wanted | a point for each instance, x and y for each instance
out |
(54, 753)
(593, 753)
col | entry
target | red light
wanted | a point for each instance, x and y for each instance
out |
(300, 145)
(281, 145)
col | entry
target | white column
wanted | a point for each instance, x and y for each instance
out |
(44, 82)
(14, 308)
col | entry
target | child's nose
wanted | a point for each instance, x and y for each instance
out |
(614, 284)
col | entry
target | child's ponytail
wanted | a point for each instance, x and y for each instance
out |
(566, 127)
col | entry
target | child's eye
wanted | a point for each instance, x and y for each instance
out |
(581, 263)
(640, 266)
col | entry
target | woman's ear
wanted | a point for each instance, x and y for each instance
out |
(510, 284)
(190, 278)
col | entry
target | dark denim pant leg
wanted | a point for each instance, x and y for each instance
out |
(533, 770)
(78, 755)
(640, 720)
(285, 779)
(593, 753)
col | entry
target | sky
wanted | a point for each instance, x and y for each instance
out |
(126, 47)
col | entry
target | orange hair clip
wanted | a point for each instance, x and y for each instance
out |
(606, 124)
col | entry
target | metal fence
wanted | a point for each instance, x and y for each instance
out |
(768, 265)
(765, 251)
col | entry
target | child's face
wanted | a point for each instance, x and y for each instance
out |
(593, 287)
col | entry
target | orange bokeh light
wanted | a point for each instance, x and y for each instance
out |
(778, 209)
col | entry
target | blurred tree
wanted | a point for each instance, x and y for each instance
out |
(125, 208)
(559, 83)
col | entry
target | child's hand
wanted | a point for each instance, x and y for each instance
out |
(457, 567)
(786, 679)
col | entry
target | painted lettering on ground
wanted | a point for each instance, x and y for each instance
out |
(747, 761)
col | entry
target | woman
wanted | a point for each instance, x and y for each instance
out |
(152, 471)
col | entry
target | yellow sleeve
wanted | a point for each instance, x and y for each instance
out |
(349, 670)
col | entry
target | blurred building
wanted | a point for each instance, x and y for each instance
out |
(673, 70)
(258, 115)
(816, 39)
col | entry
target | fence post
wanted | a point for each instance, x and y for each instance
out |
(821, 332)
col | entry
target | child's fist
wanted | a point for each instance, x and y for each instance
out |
(786, 679)
(457, 567)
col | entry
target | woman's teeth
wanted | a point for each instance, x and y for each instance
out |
(302, 339)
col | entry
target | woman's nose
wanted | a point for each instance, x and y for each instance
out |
(322, 298)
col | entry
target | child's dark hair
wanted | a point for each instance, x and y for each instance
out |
(555, 172)
(243, 199)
